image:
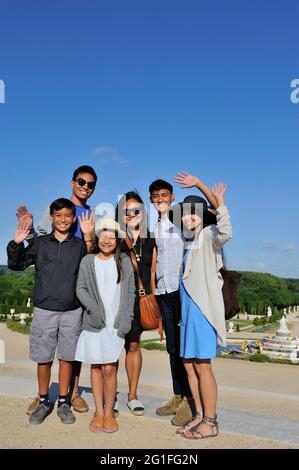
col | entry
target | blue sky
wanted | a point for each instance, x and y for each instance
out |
(156, 87)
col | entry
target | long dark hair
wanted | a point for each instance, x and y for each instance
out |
(117, 256)
(119, 212)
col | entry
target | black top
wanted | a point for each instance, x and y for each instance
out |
(57, 265)
(145, 247)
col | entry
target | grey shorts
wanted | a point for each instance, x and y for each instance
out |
(54, 329)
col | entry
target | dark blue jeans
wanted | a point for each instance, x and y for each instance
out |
(170, 306)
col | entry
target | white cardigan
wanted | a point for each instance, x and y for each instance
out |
(202, 278)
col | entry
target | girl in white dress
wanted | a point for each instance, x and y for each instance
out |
(102, 280)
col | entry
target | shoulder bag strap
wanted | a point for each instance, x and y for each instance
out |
(135, 265)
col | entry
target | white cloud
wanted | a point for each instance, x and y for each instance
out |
(261, 265)
(269, 244)
(255, 264)
(282, 223)
(101, 190)
(110, 155)
(289, 248)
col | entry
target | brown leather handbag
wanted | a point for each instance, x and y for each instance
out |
(150, 316)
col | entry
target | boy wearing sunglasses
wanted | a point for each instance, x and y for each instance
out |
(83, 185)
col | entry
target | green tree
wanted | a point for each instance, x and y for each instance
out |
(257, 291)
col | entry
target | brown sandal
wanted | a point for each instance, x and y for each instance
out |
(96, 424)
(110, 425)
(188, 426)
(194, 433)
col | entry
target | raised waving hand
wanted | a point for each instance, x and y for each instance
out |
(87, 223)
(186, 180)
(218, 191)
(189, 181)
(24, 216)
(21, 233)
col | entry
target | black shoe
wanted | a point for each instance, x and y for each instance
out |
(65, 414)
(39, 414)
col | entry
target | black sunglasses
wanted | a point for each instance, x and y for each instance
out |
(132, 212)
(82, 182)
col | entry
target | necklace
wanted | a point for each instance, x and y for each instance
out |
(138, 255)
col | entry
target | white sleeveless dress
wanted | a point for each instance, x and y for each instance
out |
(104, 346)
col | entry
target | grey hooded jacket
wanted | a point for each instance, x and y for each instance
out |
(88, 294)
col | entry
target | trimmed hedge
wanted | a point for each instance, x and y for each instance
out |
(17, 327)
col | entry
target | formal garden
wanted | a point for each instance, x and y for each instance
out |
(258, 292)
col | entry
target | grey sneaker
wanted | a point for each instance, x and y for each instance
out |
(38, 416)
(65, 414)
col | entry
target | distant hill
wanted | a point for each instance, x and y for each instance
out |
(4, 269)
(256, 292)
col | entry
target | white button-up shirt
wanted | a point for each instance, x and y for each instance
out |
(170, 249)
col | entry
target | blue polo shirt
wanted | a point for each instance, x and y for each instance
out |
(76, 226)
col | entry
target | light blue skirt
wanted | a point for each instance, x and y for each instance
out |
(198, 337)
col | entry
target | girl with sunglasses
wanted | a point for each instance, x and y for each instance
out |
(132, 217)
